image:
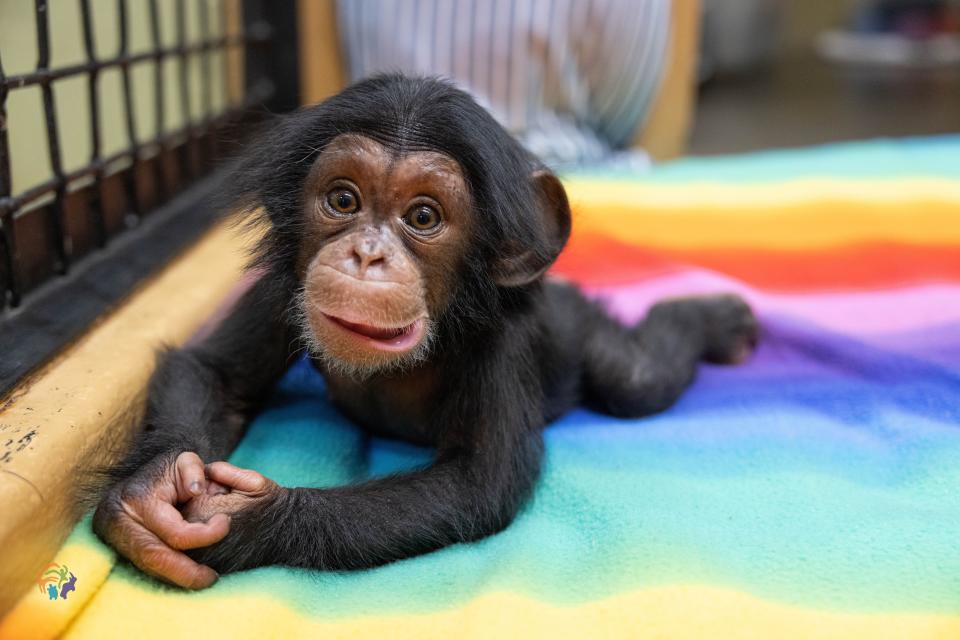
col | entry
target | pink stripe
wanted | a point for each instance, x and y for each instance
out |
(873, 313)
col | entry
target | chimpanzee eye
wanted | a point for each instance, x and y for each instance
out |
(423, 219)
(343, 201)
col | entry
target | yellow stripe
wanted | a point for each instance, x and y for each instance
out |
(36, 616)
(81, 407)
(810, 226)
(761, 195)
(797, 214)
(122, 610)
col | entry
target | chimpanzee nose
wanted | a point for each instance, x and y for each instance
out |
(368, 253)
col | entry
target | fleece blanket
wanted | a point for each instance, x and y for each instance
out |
(813, 492)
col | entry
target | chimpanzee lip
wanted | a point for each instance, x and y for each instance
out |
(384, 338)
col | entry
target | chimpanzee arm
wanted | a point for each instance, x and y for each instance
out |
(481, 477)
(201, 396)
(199, 401)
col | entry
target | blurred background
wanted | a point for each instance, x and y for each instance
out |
(781, 73)
(769, 73)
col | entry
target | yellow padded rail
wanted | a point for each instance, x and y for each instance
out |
(79, 410)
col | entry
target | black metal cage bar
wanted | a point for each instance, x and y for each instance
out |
(58, 183)
(96, 211)
(55, 234)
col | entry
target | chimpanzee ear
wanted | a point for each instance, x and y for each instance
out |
(523, 267)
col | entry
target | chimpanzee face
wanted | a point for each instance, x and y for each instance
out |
(385, 233)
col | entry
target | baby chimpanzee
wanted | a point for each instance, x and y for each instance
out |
(409, 235)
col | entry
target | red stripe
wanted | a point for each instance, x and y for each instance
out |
(593, 259)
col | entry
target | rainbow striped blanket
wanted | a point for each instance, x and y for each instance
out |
(814, 492)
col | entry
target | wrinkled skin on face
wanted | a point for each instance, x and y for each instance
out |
(385, 236)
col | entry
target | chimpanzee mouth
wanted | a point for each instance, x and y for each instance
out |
(385, 338)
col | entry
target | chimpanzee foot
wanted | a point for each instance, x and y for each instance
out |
(731, 329)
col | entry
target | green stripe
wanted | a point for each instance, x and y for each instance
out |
(937, 157)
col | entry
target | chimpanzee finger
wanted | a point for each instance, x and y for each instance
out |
(162, 562)
(191, 480)
(236, 478)
(151, 555)
(163, 520)
(214, 488)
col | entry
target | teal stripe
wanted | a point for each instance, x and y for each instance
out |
(934, 157)
(837, 520)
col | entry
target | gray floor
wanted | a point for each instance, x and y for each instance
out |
(804, 101)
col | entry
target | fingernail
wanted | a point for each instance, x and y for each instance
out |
(195, 488)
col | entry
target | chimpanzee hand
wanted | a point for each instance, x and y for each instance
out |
(254, 505)
(139, 518)
(230, 491)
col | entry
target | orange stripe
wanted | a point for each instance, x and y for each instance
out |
(594, 259)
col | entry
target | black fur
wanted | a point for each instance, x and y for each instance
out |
(512, 358)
